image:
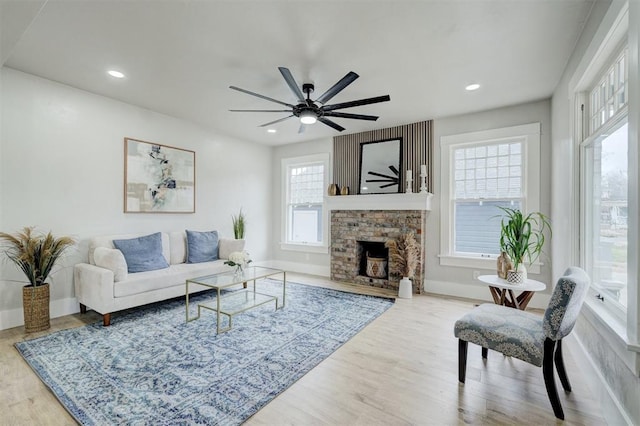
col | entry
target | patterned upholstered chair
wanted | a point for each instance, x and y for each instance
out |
(527, 336)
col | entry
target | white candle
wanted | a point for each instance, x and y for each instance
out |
(423, 170)
(409, 176)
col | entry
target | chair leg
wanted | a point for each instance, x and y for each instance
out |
(549, 380)
(462, 360)
(485, 352)
(562, 373)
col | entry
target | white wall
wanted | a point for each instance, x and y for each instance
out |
(459, 281)
(61, 169)
(313, 263)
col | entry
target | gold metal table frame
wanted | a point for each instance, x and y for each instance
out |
(239, 301)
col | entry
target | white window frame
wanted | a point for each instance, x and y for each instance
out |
(286, 165)
(622, 334)
(530, 136)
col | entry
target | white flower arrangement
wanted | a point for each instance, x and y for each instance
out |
(239, 259)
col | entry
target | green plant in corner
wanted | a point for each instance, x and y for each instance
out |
(239, 223)
(522, 237)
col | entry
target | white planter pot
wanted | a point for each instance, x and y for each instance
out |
(405, 291)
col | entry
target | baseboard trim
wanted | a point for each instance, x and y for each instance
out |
(57, 308)
(301, 268)
(611, 407)
(478, 291)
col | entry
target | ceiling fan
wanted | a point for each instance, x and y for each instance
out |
(309, 111)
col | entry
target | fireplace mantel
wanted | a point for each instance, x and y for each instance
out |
(395, 201)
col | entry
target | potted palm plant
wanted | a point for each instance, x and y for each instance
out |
(405, 253)
(35, 254)
(522, 238)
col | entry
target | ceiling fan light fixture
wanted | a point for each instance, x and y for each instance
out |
(308, 117)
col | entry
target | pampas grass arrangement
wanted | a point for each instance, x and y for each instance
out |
(405, 252)
(35, 254)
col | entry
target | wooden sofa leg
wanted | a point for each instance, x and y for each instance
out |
(462, 360)
(549, 380)
(106, 320)
(83, 309)
(485, 353)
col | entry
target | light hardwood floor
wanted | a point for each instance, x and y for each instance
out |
(402, 369)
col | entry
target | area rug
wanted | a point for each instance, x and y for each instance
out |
(151, 367)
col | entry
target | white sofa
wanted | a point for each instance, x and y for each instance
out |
(109, 290)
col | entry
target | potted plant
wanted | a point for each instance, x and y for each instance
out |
(35, 254)
(522, 238)
(239, 223)
(405, 252)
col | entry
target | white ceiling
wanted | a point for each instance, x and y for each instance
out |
(180, 57)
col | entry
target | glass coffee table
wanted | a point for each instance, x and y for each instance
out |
(239, 301)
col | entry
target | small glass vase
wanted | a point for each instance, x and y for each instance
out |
(238, 271)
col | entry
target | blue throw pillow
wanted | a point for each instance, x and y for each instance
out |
(202, 246)
(143, 253)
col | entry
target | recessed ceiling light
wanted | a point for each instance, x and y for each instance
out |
(271, 130)
(116, 74)
(472, 87)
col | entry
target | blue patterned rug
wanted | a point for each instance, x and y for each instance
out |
(150, 367)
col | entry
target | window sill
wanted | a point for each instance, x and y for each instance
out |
(306, 248)
(488, 263)
(613, 330)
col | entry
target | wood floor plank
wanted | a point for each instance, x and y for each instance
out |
(402, 369)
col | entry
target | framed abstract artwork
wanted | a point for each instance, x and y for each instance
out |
(158, 178)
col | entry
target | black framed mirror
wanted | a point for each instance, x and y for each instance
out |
(380, 166)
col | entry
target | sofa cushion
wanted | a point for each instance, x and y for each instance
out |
(202, 246)
(112, 259)
(228, 246)
(175, 275)
(143, 253)
(107, 241)
(178, 241)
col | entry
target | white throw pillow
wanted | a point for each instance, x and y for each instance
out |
(112, 259)
(226, 246)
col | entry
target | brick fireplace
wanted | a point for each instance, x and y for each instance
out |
(359, 220)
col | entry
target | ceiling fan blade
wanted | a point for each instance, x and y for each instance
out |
(338, 87)
(248, 92)
(359, 102)
(260, 110)
(302, 128)
(276, 121)
(292, 83)
(331, 124)
(347, 115)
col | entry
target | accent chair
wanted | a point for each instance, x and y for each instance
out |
(525, 335)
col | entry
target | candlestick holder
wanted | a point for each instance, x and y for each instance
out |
(423, 186)
(409, 189)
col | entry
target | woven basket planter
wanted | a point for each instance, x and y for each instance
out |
(35, 303)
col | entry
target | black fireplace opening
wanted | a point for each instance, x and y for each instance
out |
(374, 259)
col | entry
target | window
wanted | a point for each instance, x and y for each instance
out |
(305, 218)
(481, 172)
(604, 200)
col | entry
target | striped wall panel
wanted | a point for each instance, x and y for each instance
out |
(417, 149)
